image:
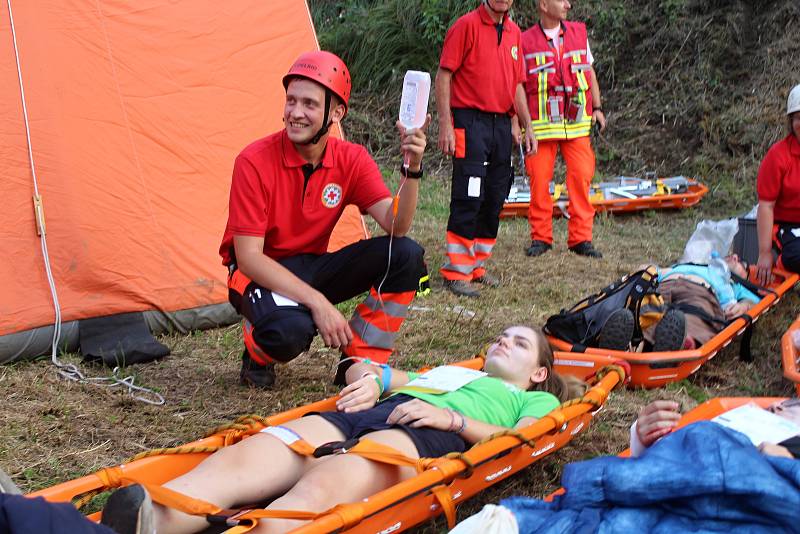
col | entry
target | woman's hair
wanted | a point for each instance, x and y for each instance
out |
(789, 122)
(563, 387)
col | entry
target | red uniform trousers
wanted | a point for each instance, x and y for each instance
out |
(579, 159)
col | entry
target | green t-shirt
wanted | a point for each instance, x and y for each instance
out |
(491, 400)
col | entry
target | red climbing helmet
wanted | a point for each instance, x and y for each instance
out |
(326, 69)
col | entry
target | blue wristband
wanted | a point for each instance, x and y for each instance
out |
(386, 377)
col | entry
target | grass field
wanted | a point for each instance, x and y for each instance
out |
(53, 431)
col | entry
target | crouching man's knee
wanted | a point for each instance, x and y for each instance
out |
(280, 338)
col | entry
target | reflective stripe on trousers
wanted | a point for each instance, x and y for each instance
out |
(483, 251)
(461, 258)
(375, 324)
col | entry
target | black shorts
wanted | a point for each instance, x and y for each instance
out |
(430, 443)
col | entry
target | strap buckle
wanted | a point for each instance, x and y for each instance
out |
(229, 518)
(335, 447)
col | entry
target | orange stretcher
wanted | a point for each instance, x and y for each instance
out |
(442, 484)
(659, 198)
(791, 354)
(655, 369)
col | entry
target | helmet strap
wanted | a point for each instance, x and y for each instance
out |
(325, 124)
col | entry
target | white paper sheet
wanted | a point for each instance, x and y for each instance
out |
(758, 424)
(446, 378)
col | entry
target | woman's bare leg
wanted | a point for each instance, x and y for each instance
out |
(249, 472)
(341, 478)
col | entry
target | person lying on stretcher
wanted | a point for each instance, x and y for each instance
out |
(517, 387)
(660, 418)
(698, 300)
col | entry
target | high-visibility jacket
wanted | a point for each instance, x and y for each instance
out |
(558, 88)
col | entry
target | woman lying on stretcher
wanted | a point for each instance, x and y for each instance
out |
(519, 387)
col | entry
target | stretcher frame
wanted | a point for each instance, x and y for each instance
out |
(656, 369)
(412, 501)
(696, 191)
(790, 355)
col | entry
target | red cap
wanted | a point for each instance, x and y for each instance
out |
(324, 68)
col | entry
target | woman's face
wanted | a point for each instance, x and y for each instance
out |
(736, 266)
(514, 357)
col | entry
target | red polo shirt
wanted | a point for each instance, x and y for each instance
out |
(779, 179)
(268, 197)
(485, 73)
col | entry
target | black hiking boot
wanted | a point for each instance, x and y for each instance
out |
(537, 248)
(616, 334)
(461, 288)
(670, 332)
(255, 375)
(585, 248)
(129, 511)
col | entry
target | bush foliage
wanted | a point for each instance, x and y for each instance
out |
(689, 86)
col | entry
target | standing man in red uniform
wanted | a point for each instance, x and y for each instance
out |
(778, 187)
(564, 101)
(287, 193)
(478, 89)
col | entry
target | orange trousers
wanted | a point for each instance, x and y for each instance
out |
(579, 158)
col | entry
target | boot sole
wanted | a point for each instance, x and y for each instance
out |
(670, 332)
(616, 334)
(537, 252)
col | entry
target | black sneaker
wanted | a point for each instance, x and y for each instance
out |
(616, 334)
(537, 248)
(255, 375)
(585, 248)
(670, 332)
(129, 511)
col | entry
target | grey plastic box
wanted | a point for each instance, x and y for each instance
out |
(745, 242)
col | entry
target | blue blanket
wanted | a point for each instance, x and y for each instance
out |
(702, 478)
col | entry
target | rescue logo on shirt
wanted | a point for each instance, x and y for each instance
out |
(331, 195)
(515, 53)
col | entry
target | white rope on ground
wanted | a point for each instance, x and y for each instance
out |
(67, 371)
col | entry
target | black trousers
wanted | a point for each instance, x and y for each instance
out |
(483, 152)
(787, 240)
(284, 329)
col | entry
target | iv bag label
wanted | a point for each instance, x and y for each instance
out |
(408, 102)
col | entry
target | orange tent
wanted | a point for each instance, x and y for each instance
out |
(135, 112)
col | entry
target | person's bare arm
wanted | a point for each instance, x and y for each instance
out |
(597, 114)
(772, 449)
(271, 275)
(656, 420)
(738, 308)
(447, 135)
(418, 413)
(362, 390)
(765, 219)
(521, 107)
